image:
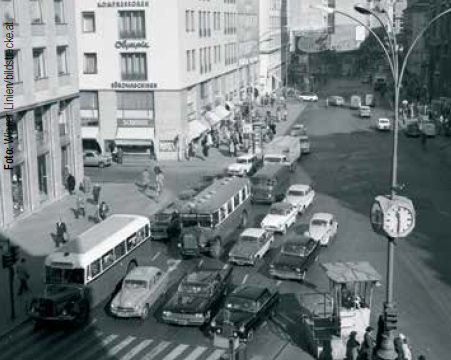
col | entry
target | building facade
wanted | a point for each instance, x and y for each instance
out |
(156, 74)
(274, 44)
(40, 114)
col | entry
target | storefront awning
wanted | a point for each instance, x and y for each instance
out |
(221, 112)
(212, 118)
(229, 106)
(137, 136)
(89, 132)
(195, 129)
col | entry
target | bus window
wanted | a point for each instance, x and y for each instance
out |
(147, 231)
(230, 206)
(119, 250)
(204, 221)
(236, 200)
(107, 259)
(131, 242)
(223, 211)
(247, 191)
(215, 218)
(94, 269)
(242, 195)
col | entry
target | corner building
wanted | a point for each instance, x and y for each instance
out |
(155, 75)
(44, 106)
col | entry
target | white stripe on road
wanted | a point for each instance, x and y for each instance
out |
(196, 353)
(114, 350)
(245, 278)
(155, 351)
(216, 354)
(137, 349)
(176, 352)
(155, 256)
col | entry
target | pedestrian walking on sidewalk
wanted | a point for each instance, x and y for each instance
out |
(80, 205)
(145, 180)
(103, 211)
(159, 178)
(23, 276)
(407, 352)
(71, 183)
(61, 233)
(285, 114)
(367, 349)
(96, 193)
(352, 347)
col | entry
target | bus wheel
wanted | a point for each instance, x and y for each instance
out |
(216, 248)
(131, 265)
(244, 219)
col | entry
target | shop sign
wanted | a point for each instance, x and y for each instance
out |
(133, 85)
(134, 123)
(130, 4)
(131, 44)
(167, 146)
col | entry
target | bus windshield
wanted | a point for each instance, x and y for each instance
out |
(55, 275)
(202, 220)
(262, 182)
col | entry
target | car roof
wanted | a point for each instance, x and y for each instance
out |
(251, 292)
(299, 187)
(253, 232)
(365, 107)
(298, 126)
(297, 239)
(281, 205)
(322, 216)
(201, 276)
(384, 119)
(303, 137)
(143, 273)
(246, 156)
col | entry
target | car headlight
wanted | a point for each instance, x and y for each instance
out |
(64, 312)
(213, 324)
(167, 313)
(242, 329)
(235, 334)
(218, 330)
(198, 315)
(112, 306)
(271, 266)
(298, 270)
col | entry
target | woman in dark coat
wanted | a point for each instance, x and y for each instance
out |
(71, 183)
(366, 352)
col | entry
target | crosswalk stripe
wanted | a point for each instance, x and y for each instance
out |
(176, 352)
(116, 348)
(196, 353)
(99, 345)
(155, 351)
(216, 354)
(137, 349)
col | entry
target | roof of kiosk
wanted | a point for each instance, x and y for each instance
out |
(351, 272)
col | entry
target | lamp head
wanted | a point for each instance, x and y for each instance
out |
(362, 10)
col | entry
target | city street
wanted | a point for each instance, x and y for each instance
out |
(349, 165)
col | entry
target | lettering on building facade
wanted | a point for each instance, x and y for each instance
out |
(130, 44)
(135, 123)
(108, 4)
(133, 85)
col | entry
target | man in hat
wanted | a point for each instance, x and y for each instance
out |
(367, 349)
(61, 232)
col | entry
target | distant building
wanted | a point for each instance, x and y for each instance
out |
(42, 105)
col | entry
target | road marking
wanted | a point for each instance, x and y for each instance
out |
(94, 340)
(245, 278)
(196, 353)
(137, 349)
(173, 264)
(114, 350)
(216, 354)
(155, 256)
(155, 351)
(176, 352)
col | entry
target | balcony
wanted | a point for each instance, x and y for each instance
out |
(38, 28)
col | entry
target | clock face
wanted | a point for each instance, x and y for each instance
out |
(399, 221)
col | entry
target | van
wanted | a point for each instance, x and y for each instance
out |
(365, 111)
(356, 102)
(270, 183)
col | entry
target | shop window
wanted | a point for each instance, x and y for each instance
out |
(132, 25)
(134, 66)
(17, 190)
(135, 105)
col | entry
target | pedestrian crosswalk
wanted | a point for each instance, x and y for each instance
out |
(27, 343)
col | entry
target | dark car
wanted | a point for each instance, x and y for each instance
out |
(198, 295)
(67, 304)
(296, 255)
(245, 308)
(413, 130)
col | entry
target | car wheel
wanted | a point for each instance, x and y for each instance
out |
(244, 219)
(101, 165)
(145, 312)
(250, 335)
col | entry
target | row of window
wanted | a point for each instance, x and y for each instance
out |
(230, 54)
(131, 24)
(40, 70)
(10, 11)
(117, 253)
(206, 19)
(205, 57)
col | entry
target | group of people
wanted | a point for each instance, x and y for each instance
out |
(367, 349)
(159, 181)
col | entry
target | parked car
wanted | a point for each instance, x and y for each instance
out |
(295, 257)
(280, 217)
(322, 227)
(246, 308)
(244, 165)
(198, 295)
(308, 96)
(251, 246)
(305, 144)
(94, 158)
(383, 124)
(298, 130)
(336, 101)
(365, 111)
(412, 130)
(301, 196)
(140, 289)
(356, 102)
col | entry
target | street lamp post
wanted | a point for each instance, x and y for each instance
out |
(386, 351)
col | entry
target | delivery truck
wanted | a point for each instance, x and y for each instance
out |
(285, 150)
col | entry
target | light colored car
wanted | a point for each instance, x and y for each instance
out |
(280, 217)
(301, 196)
(305, 144)
(244, 165)
(308, 96)
(383, 124)
(298, 130)
(336, 101)
(323, 227)
(94, 158)
(251, 246)
(365, 111)
(140, 289)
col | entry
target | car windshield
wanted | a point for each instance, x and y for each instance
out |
(273, 159)
(242, 161)
(277, 211)
(190, 289)
(319, 222)
(201, 220)
(237, 303)
(294, 249)
(132, 284)
(262, 182)
(246, 238)
(296, 193)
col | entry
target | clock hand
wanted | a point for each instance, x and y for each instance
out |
(398, 217)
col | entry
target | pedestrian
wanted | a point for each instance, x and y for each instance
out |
(152, 151)
(189, 152)
(272, 126)
(380, 331)
(367, 349)
(61, 233)
(407, 352)
(81, 188)
(273, 101)
(441, 121)
(120, 155)
(145, 180)
(103, 211)
(114, 154)
(80, 206)
(205, 150)
(159, 179)
(397, 343)
(71, 183)
(327, 102)
(23, 276)
(352, 347)
(96, 193)
(285, 114)
(87, 185)
(231, 147)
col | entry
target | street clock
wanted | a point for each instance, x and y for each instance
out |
(393, 217)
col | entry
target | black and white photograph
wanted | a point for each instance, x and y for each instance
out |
(225, 180)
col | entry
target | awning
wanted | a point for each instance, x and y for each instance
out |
(221, 112)
(212, 118)
(89, 132)
(229, 106)
(195, 129)
(135, 136)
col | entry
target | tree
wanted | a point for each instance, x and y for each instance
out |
(370, 50)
